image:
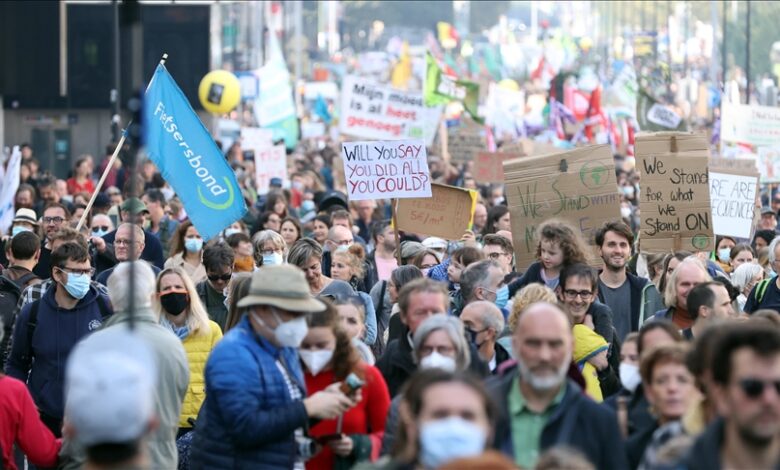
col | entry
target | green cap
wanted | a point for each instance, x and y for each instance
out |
(133, 206)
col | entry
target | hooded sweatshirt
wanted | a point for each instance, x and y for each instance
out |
(57, 330)
(588, 343)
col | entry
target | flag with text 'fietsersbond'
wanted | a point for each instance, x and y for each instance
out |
(188, 159)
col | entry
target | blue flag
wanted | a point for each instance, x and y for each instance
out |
(188, 159)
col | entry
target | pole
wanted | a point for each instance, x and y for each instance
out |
(298, 24)
(747, 59)
(395, 231)
(100, 182)
(115, 91)
(724, 48)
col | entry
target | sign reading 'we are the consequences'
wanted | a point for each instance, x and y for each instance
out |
(383, 170)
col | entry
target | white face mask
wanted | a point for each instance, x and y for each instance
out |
(629, 376)
(288, 334)
(439, 361)
(316, 360)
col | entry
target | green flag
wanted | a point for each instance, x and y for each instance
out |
(441, 89)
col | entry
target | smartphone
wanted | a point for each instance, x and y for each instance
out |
(327, 438)
(351, 384)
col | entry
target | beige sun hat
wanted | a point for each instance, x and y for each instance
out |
(283, 286)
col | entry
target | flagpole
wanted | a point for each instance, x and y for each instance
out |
(102, 180)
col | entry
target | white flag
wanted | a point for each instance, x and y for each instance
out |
(8, 190)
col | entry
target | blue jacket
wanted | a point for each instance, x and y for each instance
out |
(577, 422)
(56, 332)
(248, 419)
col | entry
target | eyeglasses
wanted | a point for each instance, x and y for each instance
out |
(98, 228)
(343, 242)
(53, 220)
(219, 277)
(572, 294)
(270, 252)
(89, 272)
(122, 242)
(754, 388)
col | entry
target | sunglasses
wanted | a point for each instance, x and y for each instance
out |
(219, 277)
(754, 388)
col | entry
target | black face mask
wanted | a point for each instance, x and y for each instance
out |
(174, 303)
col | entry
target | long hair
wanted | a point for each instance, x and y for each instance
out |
(197, 317)
(239, 288)
(573, 246)
(346, 358)
(353, 257)
(679, 256)
(670, 290)
(495, 213)
(177, 241)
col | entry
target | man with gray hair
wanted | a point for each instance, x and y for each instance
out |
(130, 287)
(128, 246)
(539, 407)
(483, 280)
(484, 323)
(766, 294)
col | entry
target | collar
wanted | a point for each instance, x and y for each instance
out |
(518, 405)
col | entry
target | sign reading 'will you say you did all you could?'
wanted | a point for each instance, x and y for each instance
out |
(384, 170)
(577, 186)
(675, 199)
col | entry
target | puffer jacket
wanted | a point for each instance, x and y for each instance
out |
(198, 348)
(248, 419)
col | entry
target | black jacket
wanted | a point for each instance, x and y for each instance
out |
(577, 421)
(534, 274)
(502, 355)
(639, 417)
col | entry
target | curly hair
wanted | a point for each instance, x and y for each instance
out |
(346, 359)
(557, 231)
(353, 257)
(526, 296)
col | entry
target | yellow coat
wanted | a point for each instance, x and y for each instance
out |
(198, 348)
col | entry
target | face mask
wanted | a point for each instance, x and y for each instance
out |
(473, 337)
(174, 302)
(288, 334)
(502, 296)
(19, 229)
(231, 231)
(100, 233)
(724, 255)
(448, 439)
(193, 245)
(625, 212)
(629, 376)
(297, 185)
(272, 259)
(498, 200)
(77, 285)
(307, 206)
(439, 361)
(628, 191)
(316, 360)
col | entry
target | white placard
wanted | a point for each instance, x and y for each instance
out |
(383, 170)
(662, 116)
(255, 138)
(270, 162)
(371, 111)
(733, 200)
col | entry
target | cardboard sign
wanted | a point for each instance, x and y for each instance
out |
(733, 199)
(489, 166)
(751, 124)
(378, 112)
(577, 185)
(382, 170)
(463, 143)
(447, 214)
(675, 203)
(270, 162)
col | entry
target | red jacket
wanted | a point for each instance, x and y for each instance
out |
(369, 414)
(19, 424)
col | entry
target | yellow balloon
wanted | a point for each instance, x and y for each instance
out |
(509, 84)
(219, 92)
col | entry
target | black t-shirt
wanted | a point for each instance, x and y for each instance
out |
(770, 300)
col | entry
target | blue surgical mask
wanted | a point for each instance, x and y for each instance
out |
(77, 285)
(193, 245)
(724, 255)
(100, 233)
(502, 296)
(307, 206)
(19, 229)
(272, 259)
(448, 439)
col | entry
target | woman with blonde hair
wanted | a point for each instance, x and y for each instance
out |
(526, 296)
(181, 311)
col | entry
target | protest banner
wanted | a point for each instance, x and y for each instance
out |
(447, 214)
(464, 142)
(768, 162)
(733, 195)
(270, 162)
(489, 166)
(371, 111)
(576, 185)
(751, 124)
(675, 203)
(383, 170)
(255, 138)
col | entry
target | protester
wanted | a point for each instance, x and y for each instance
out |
(722, 253)
(744, 278)
(290, 230)
(46, 330)
(536, 402)
(347, 264)
(269, 248)
(425, 260)
(307, 255)
(382, 259)
(237, 290)
(484, 323)
(134, 211)
(670, 264)
(52, 219)
(81, 181)
(160, 224)
(459, 260)
(631, 299)
(321, 225)
(527, 296)
(328, 357)
(741, 253)
(385, 297)
(706, 303)
(338, 237)
(482, 280)
(688, 274)
(352, 317)
(766, 294)
(497, 219)
(590, 356)
(218, 262)
(128, 246)
(187, 252)
(500, 250)
(244, 252)
(578, 296)
(25, 248)
(179, 309)
(256, 406)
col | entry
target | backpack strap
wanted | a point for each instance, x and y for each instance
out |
(22, 281)
(105, 310)
(761, 290)
(32, 322)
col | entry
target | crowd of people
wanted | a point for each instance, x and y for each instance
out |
(310, 335)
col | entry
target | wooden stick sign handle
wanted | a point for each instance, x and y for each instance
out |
(395, 230)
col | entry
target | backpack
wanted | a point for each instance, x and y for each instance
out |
(10, 292)
(761, 288)
(32, 322)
